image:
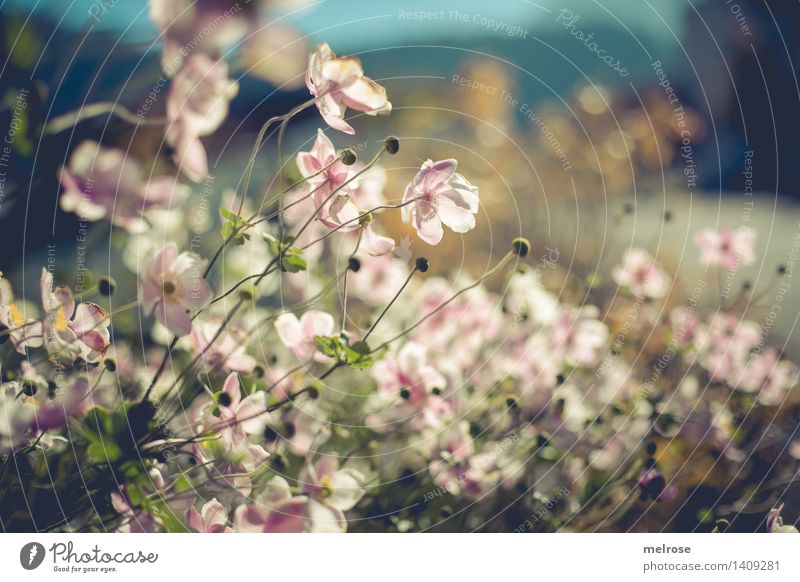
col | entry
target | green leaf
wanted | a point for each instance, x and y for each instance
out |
(293, 263)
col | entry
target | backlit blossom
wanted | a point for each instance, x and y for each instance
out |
(339, 83)
(22, 330)
(172, 286)
(197, 104)
(727, 248)
(82, 328)
(640, 273)
(108, 183)
(436, 196)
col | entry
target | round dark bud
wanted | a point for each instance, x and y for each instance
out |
(289, 430)
(651, 448)
(4, 335)
(259, 371)
(270, 434)
(405, 393)
(511, 403)
(781, 269)
(542, 442)
(224, 399)
(106, 286)
(446, 511)
(436, 391)
(348, 157)
(560, 379)
(650, 463)
(30, 389)
(407, 476)
(52, 388)
(110, 364)
(422, 265)
(391, 144)
(521, 246)
(245, 293)
(169, 287)
(313, 392)
(273, 359)
(278, 462)
(354, 264)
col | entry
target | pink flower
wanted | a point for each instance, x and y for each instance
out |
(82, 328)
(331, 491)
(768, 376)
(239, 417)
(172, 287)
(580, 336)
(23, 331)
(206, 26)
(725, 344)
(298, 334)
(70, 402)
(409, 376)
(197, 104)
(375, 244)
(726, 248)
(100, 183)
(276, 511)
(212, 518)
(641, 275)
(439, 195)
(339, 83)
(342, 207)
(228, 352)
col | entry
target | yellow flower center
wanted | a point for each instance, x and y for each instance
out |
(16, 316)
(326, 486)
(60, 323)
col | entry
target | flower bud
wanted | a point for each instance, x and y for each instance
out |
(521, 246)
(348, 157)
(106, 286)
(422, 265)
(110, 364)
(392, 144)
(354, 264)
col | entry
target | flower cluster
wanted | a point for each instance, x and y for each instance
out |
(301, 375)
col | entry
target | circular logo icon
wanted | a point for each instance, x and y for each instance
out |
(31, 555)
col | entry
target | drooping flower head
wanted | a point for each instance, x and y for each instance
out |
(438, 195)
(339, 83)
(197, 104)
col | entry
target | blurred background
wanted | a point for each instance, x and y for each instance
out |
(584, 123)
